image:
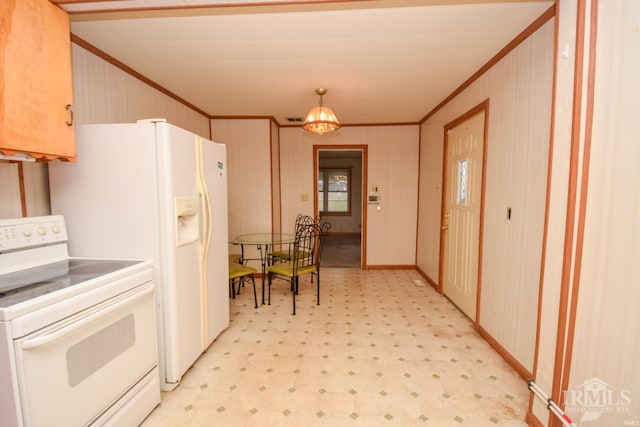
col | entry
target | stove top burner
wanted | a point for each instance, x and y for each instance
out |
(33, 282)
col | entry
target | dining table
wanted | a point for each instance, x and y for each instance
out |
(264, 243)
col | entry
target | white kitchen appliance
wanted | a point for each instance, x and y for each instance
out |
(152, 190)
(77, 335)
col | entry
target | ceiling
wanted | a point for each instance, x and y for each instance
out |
(381, 61)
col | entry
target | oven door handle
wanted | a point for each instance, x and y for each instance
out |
(123, 299)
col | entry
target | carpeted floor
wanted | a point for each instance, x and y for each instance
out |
(341, 250)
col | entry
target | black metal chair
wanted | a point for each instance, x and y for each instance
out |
(284, 255)
(306, 254)
(240, 273)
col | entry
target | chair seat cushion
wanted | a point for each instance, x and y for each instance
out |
(238, 270)
(286, 269)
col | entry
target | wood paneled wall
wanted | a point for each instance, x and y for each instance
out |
(519, 90)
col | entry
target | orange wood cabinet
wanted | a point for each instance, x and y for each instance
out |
(35, 80)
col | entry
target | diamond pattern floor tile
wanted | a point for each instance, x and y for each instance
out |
(379, 350)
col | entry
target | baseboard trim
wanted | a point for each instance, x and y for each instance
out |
(532, 420)
(391, 267)
(512, 361)
(428, 279)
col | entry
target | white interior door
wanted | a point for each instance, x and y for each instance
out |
(461, 219)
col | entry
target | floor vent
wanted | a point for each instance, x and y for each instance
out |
(418, 282)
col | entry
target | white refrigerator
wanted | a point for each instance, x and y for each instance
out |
(150, 190)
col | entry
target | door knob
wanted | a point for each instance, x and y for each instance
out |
(445, 227)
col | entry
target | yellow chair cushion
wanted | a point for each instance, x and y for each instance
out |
(238, 270)
(286, 269)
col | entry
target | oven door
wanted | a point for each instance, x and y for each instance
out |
(72, 371)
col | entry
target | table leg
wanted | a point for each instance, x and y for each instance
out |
(263, 261)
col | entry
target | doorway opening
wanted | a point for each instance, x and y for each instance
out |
(340, 180)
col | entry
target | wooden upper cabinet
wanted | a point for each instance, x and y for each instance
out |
(35, 80)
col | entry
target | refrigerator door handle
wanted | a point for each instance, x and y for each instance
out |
(205, 239)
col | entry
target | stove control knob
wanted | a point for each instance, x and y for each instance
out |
(42, 231)
(55, 228)
(27, 232)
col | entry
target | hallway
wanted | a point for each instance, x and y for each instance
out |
(341, 250)
(379, 350)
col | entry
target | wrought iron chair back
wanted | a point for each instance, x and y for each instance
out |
(307, 251)
(286, 254)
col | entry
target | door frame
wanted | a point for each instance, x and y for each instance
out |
(363, 213)
(482, 107)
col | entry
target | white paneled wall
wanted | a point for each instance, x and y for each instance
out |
(249, 172)
(36, 184)
(519, 89)
(607, 341)
(103, 93)
(392, 166)
(430, 199)
(517, 165)
(36, 189)
(557, 216)
(10, 206)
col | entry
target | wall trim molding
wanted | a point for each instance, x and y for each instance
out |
(530, 30)
(113, 61)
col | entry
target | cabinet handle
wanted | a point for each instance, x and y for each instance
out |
(69, 108)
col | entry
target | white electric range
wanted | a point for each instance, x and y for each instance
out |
(77, 335)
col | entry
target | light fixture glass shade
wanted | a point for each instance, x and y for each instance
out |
(321, 119)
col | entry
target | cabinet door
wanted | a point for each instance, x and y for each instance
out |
(35, 79)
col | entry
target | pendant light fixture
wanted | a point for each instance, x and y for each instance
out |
(321, 119)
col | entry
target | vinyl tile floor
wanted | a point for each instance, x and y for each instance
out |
(379, 350)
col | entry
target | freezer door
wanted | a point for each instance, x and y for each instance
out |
(181, 294)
